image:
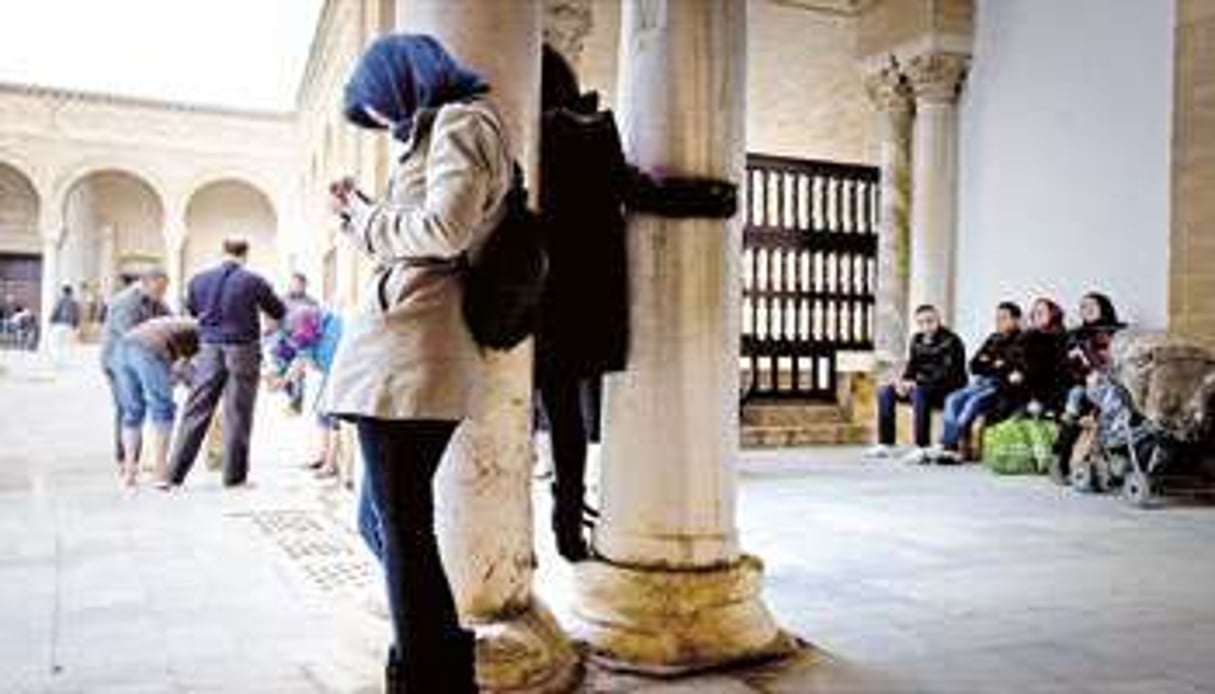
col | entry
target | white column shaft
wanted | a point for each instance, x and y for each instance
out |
(891, 96)
(934, 205)
(672, 591)
(488, 481)
(671, 438)
(484, 507)
(50, 287)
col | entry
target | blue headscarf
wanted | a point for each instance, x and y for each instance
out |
(402, 73)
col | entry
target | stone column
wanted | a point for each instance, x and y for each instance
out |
(892, 97)
(485, 485)
(175, 261)
(51, 231)
(50, 288)
(936, 79)
(671, 591)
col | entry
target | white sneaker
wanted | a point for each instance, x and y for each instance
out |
(880, 450)
(916, 456)
(945, 456)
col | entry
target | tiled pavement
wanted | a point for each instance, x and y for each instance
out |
(904, 580)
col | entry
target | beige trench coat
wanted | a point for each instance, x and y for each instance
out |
(416, 359)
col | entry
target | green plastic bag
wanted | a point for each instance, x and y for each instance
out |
(1019, 446)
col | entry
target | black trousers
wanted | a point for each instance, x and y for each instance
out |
(562, 398)
(231, 372)
(432, 652)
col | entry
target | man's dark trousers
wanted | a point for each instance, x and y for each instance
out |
(230, 371)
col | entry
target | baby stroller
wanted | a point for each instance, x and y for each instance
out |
(1152, 434)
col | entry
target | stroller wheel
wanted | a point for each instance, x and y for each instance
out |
(1137, 490)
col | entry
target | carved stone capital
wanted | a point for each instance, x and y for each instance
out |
(889, 91)
(566, 26)
(937, 77)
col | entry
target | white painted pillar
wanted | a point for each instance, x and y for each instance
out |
(51, 230)
(50, 287)
(671, 590)
(485, 485)
(175, 257)
(936, 79)
(892, 99)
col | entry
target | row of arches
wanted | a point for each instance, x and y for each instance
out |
(115, 225)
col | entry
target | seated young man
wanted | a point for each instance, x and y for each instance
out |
(936, 366)
(994, 368)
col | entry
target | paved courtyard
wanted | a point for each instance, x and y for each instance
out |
(900, 579)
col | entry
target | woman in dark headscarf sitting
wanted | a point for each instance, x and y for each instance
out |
(1088, 344)
(405, 367)
(1087, 351)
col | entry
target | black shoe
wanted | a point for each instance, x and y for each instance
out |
(569, 517)
(451, 670)
(394, 678)
(461, 661)
(572, 546)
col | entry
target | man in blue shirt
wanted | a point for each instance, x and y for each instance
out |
(226, 300)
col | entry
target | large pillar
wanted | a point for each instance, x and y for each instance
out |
(50, 288)
(936, 79)
(50, 228)
(175, 255)
(485, 509)
(891, 96)
(670, 590)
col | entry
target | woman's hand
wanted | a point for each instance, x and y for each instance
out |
(342, 194)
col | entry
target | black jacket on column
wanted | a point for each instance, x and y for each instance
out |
(584, 323)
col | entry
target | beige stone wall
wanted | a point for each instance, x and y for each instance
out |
(1192, 263)
(230, 209)
(805, 97)
(18, 213)
(891, 23)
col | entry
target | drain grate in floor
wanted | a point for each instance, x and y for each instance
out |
(320, 550)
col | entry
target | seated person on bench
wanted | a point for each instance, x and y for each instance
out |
(995, 368)
(936, 366)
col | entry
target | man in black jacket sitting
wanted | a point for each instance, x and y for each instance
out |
(936, 366)
(995, 369)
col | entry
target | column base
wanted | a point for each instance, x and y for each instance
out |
(527, 653)
(671, 622)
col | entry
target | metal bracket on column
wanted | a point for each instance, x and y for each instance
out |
(683, 197)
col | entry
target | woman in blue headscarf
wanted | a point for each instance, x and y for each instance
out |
(405, 368)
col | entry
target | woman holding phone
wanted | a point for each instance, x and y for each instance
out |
(407, 363)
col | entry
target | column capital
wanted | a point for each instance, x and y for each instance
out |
(566, 26)
(889, 90)
(937, 77)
